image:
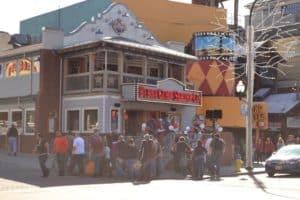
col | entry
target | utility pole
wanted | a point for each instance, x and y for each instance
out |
(236, 14)
(250, 83)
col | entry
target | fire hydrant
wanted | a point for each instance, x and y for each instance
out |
(238, 163)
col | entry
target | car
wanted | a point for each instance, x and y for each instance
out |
(285, 160)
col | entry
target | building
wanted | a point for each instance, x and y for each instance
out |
(277, 25)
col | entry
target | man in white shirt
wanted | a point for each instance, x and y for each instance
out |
(78, 154)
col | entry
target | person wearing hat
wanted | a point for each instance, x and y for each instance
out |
(217, 147)
(182, 149)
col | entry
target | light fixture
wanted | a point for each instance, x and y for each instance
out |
(240, 89)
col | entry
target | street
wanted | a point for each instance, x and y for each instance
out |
(23, 181)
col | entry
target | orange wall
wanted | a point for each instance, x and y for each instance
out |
(172, 21)
(231, 110)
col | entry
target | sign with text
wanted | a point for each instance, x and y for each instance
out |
(260, 115)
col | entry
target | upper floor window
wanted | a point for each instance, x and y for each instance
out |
(78, 65)
(112, 61)
(11, 69)
(155, 68)
(176, 72)
(99, 59)
(36, 64)
(24, 67)
(134, 64)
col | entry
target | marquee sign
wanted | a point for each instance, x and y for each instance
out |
(168, 91)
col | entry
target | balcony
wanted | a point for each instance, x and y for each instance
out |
(76, 83)
(132, 78)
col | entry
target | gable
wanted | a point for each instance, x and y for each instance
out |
(117, 21)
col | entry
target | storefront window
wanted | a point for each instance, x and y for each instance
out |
(112, 61)
(36, 64)
(78, 65)
(17, 119)
(99, 59)
(90, 120)
(30, 121)
(134, 64)
(24, 67)
(73, 120)
(114, 120)
(3, 122)
(11, 69)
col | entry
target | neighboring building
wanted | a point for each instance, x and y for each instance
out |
(277, 25)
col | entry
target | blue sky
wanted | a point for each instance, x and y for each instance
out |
(13, 11)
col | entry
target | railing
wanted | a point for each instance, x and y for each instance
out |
(78, 82)
(113, 80)
(152, 80)
(132, 78)
(98, 80)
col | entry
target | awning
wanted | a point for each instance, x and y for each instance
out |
(282, 103)
(262, 93)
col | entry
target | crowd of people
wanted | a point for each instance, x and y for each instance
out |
(130, 158)
(264, 148)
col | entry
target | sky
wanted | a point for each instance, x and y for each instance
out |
(13, 11)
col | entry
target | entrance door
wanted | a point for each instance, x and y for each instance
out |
(133, 122)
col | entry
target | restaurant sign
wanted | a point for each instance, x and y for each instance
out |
(166, 91)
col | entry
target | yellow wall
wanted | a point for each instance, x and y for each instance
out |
(172, 21)
(231, 110)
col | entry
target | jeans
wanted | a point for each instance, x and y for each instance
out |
(149, 168)
(77, 159)
(12, 141)
(61, 163)
(120, 167)
(168, 141)
(132, 168)
(198, 166)
(96, 158)
(42, 161)
(215, 160)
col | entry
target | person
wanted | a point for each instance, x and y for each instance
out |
(42, 148)
(280, 143)
(61, 147)
(121, 153)
(217, 147)
(290, 139)
(12, 135)
(259, 150)
(182, 149)
(107, 164)
(132, 160)
(268, 148)
(96, 152)
(198, 160)
(147, 157)
(78, 154)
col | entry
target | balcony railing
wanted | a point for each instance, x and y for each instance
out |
(152, 80)
(98, 80)
(78, 82)
(113, 81)
(132, 78)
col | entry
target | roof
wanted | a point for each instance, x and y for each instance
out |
(133, 44)
(21, 50)
(153, 48)
(281, 103)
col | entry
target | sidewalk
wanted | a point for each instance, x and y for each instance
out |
(30, 162)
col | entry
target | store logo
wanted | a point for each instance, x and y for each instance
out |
(118, 26)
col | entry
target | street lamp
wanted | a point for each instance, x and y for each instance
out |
(250, 69)
(240, 89)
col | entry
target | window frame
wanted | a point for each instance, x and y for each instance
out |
(83, 118)
(119, 119)
(66, 120)
(8, 120)
(25, 121)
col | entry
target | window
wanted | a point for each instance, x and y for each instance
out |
(97, 81)
(113, 81)
(3, 122)
(90, 119)
(11, 69)
(36, 64)
(134, 64)
(17, 119)
(155, 68)
(73, 120)
(112, 61)
(24, 67)
(30, 121)
(176, 72)
(99, 59)
(78, 65)
(114, 120)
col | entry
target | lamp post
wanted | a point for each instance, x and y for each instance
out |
(250, 69)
